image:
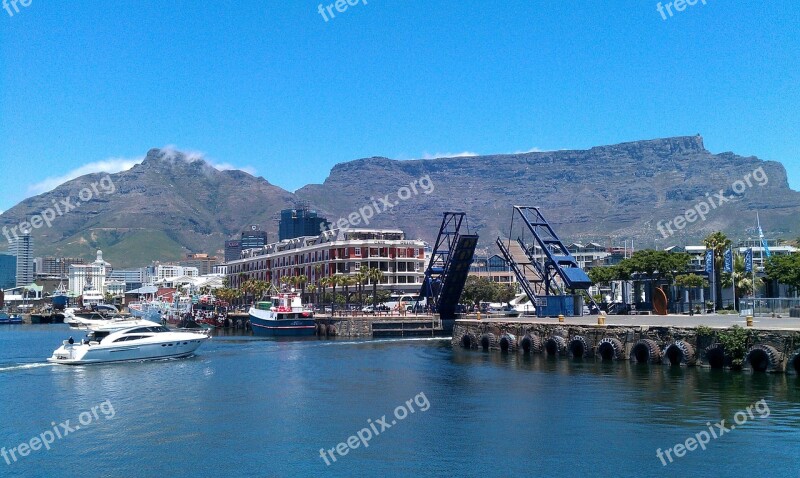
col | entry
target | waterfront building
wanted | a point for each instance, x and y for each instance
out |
(299, 223)
(22, 248)
(82, 275)
(203, 262)
(337, 252)
(133, 278)
(589, 255)
(492, 267)
(8, 271)
(115, 287)
(56, 266)
(167, 271)
(775, 246)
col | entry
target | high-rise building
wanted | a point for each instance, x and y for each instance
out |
(253, 238)
(233, 250)
(8, 271)
(22, 248)
(300, 222)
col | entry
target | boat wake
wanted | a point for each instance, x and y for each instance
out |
(25, 366)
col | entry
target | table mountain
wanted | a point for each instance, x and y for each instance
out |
(171, 204)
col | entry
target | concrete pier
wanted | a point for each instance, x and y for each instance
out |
(771, 345)
(380, 326)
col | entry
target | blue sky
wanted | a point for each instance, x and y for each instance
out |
(272, 87)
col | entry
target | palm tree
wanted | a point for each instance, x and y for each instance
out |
(375, 276)
(360, 279)
(285, 280)
(261, 287)
(324, 282)
(335, 280)
(744, 284)
(719, 243)
(311, 289)
(301, 280)
(347, 281)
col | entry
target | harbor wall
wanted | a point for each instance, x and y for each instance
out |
(764, 350)
(370, 326)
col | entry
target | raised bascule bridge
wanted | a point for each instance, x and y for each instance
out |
(545, 269)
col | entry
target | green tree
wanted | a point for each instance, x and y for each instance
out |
(477, 290)
(604, 275)
(654, 264)
(719, 243)
(691, 281)
(503, 292)
(785, 269)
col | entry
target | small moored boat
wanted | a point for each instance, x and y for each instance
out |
(284, 316)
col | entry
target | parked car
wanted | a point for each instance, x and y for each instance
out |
(370, 309)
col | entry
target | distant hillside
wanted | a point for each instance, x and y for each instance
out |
(604, 193)
(171, 204)
(160, 209)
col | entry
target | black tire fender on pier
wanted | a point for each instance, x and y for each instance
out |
(508, 343)
(764, 358)
(578, 347)
(646, 351)
(680, 352)
(796, 363)
(715, 356)
(555, 345)
(610, 349)
(531, 344)
(468, 341)
(488, 341)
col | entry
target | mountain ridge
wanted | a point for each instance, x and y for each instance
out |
(607, 193)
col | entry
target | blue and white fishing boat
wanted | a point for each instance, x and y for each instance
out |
(285, 315)
(60, 297)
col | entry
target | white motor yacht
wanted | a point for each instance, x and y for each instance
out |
(104, 324)
(133, 343)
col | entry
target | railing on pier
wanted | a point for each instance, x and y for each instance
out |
(769, 307)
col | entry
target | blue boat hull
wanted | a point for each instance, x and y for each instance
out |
(282, 328)
(60, 302)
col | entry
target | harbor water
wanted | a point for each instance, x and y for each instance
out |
(248, 407)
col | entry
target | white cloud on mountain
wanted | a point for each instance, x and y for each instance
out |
(116, 164)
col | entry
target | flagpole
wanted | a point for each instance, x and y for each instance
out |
(733, 278)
